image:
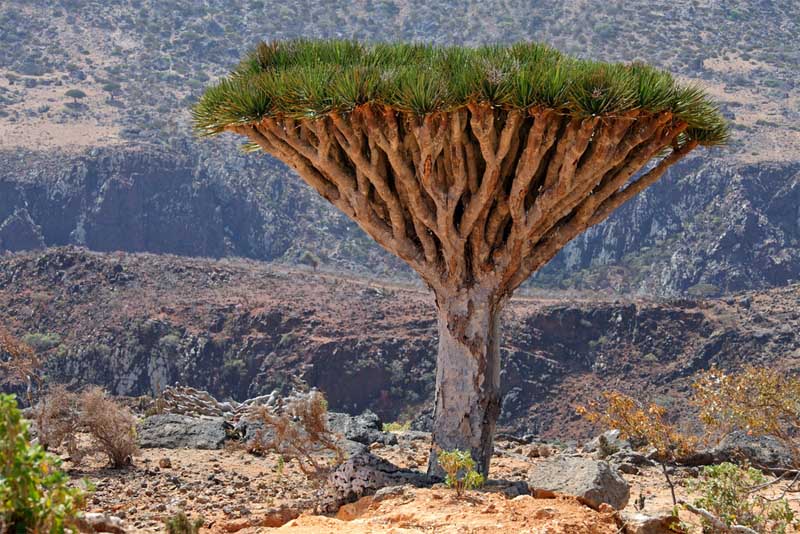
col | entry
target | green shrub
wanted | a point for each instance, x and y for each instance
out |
(181, 524)
(726, 490)
(42, 341)
(397, 426)
(460, 469)
(34, 492)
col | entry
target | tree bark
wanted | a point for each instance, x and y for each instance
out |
(467, 400)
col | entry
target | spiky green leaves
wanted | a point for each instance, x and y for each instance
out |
(306, 78)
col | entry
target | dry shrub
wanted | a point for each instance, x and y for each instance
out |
(61, 414)
(759, 401)
(300, 432)
(58, 417)
(643, 424)
(111, 425)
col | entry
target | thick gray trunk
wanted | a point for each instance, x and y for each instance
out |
(467, 400)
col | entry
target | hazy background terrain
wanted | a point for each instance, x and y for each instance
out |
(120, 169)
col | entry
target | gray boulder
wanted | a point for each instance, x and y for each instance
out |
(593, 481)
(173, 431)
(761, 451)
(366, 428)
(364, 474)
(608, 442)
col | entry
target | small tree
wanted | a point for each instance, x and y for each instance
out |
(758, 401)
(75, 95)
(460, 470)
(299, 431)
(111, 88)
(475, 166)
(642, 424)
(727, 502)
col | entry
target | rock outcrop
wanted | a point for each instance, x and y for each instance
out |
(595, 482)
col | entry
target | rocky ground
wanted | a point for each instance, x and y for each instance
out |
(234, 491)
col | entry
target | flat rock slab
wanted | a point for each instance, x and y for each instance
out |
(595, 482)
(173, 431)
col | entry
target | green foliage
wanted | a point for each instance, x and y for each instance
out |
(726, 491)
(34, 492)
(460, 469)
(42, 341)
(181, 524)
(397, 426)
(75, 93)
(307, 79)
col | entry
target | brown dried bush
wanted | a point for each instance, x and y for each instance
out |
(300, 432)
(57, 418)
(111, 425)
(62, 414)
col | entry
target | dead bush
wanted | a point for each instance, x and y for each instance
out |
(299, 432)
(58, 421)
(111, 425)
(61, 415)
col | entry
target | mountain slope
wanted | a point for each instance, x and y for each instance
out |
(723, 222)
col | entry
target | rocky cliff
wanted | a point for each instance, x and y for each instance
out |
(707, 228)
(138, 322)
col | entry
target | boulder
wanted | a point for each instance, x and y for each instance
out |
(173, 431)
(761, 451)
(638, 523)
(366, 428)
(91, 522)
(364, 474)
(608, 440)
(595, 482)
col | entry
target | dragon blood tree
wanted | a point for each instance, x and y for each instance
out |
(474, 165)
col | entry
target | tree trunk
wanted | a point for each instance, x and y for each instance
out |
(467, 402)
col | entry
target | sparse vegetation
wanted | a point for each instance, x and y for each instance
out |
(726, 494)
(758, 401)
(397, 426)
(643, 424)
(75, 95)
(180, 523)
(19, 364)
(300, 433)
(42, 341)
(34, 492)
(459, 467)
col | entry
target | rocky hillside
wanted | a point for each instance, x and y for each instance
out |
(118, 169)
(138, 322)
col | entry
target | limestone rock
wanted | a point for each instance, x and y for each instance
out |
(613, 443)
(172, 431)
(366, 428)
(593, 481)
(364, 474)
(98, 522)
(761, 451)
(638, 523)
